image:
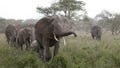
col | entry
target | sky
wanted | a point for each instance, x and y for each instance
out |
(26, 9)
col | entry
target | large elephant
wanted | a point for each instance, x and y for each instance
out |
(11, 33)
(96, 32)
(48, 32)
(24, 36)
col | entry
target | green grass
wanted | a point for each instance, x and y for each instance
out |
(80, 52)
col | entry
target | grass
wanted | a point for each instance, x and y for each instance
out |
(80, 52)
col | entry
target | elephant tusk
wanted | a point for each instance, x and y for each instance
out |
(55, 38)
(64, 41)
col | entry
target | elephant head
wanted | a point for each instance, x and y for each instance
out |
(62, 27)
(48, 32)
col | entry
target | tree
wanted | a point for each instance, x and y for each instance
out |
(46, 11)
(104, 19)
(109, 21)
(68, 7)
(88, 22)
(115, 26)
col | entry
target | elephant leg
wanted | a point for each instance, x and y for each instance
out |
(17, 43)
(27, 45)
(92, 37)
(98, 38)
(47, 54)
(12, 42)
(8, 41)
(41, 53)
(21, 46)
(56, 48)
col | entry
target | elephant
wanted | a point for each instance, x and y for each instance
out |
(48, 32)
(96, 32)
(24, 36)
(11, 33)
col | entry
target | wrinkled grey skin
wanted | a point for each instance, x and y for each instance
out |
(96, 32)
(24, 36)
(11, 33)
(46, 29)
(35, 46)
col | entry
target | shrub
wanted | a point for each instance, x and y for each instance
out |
(57, 62)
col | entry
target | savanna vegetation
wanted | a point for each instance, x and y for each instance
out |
(80, 52)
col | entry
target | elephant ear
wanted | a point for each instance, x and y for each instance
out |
(44, 26)
(61, 25)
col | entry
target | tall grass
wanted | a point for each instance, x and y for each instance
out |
(80, 52)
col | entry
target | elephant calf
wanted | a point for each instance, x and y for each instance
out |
(24, 36)
(35, 46)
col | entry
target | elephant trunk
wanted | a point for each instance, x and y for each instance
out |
(68, 33)
(56, 37)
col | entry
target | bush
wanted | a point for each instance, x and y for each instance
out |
(57, 62)
(87, 53)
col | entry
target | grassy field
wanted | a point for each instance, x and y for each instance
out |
(80, 52)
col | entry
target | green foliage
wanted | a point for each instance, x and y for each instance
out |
(109, 21)
(15, 59)
(67, 6)
(80, 52)
(46, 11)
(28, 61)
(57, 62)
(11, 57)
(71, 5)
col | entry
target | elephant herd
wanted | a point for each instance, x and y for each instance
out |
(47, 32)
